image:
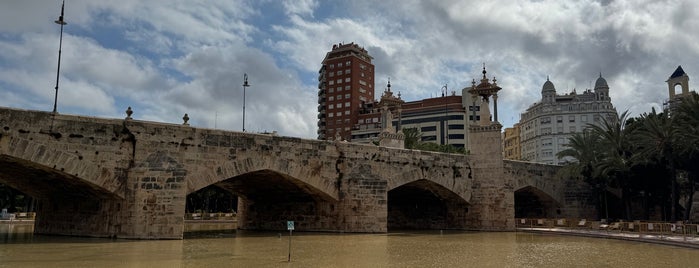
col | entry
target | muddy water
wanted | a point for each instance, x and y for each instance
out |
(216, 246)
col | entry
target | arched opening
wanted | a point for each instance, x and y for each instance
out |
(15, 204)
(423, 204)
(531, 202)
(268, 199)
(64, 204)
(677, 89)
(211, 199)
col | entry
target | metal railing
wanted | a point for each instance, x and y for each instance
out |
(677, 229)
(210, 216)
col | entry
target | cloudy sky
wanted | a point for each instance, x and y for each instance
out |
(165, 58)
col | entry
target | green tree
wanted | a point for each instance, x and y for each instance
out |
(584, 148)
(687, 120)
(655, 140)
(412, 137)
(616, 153)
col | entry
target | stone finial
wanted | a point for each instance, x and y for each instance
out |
(129, 112)
(185, 118)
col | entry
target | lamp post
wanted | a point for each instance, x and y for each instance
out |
(61, 22)
(245, 85)
(445, 94)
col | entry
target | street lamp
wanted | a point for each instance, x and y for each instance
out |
(61, 22)
(245, 85)
(445, 94)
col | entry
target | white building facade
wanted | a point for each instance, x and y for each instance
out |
(547, 125)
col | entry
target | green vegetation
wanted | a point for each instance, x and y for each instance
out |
(652, 159)
(413, 141)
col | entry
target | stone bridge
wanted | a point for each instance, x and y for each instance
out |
(129, 179)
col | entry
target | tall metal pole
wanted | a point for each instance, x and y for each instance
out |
(61, 22)
(245, 85)
(446, 114)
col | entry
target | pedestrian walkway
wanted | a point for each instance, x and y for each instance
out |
(674, 240)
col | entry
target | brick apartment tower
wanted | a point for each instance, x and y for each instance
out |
(345, 81)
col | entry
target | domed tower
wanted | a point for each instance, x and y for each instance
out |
(548, 91)
(601, 88)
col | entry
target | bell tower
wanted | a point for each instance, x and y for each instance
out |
(679, 77)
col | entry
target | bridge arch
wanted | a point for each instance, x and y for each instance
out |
(303, 174)
(425, 204)
(34, 155)
(531, 202)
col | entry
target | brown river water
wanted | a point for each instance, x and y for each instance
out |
(217, 245)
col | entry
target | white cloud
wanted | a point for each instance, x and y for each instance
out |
(167, 58)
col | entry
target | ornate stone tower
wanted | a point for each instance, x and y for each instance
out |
(496, 201)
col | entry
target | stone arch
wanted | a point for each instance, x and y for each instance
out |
(425, 204)
(531, 202)
(456, 179)
(72, 168)
(306, 174)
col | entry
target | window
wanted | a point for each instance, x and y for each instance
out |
(331, 82)
(362, 74)
(338, 114)
(331, 98)
(339, 81)
(362, 82)
(362, 98)
(572, 129)
(571, 118)
(347, 79)
(330, 115)
(362, 90)
(331, 90)
(474, 108)
(339, 64)
(560, 129)
(332, 106)
(347, 104)
(339, 97)
(347, 96)
(583, 118)
(339, 72)
(332, 66)
(376, 119)
(339, 105)
(348, 71)
(559, 119)
(347, 87)
(348, 63)
(428, 129)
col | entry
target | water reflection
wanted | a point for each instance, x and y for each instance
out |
(216, 246)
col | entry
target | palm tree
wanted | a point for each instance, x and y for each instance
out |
(616, 153)
(584, 148)
(687, 121)
(412, 137)
(656, 139)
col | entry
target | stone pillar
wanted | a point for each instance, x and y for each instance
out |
(156, 197)
(493, 204)
(495, 106)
